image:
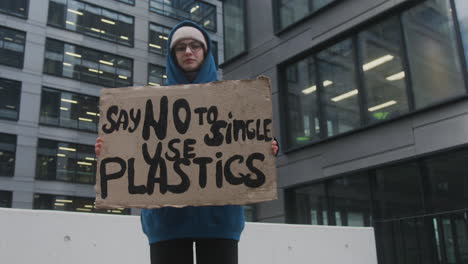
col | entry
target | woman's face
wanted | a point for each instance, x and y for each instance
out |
(189, 54)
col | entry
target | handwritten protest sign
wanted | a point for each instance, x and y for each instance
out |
(201, 144)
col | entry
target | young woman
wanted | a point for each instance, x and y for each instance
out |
(215, 230)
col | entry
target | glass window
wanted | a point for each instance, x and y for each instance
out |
(5, 199)
(158, 38)
(249, 213)
(384, 76)
(199, 12)
(129, 2)
(448, 181)
(295, 10)
(91, 20)
(72, 203)
(156, 75)
(349, 199)
(69, 110)
(397, 191)
(7, 155)
(62, 161)
(10, 92)
(87, 65)
(310, 205)
(302, 108)
(14, 7)
(12, 44)
(340, 92)
(432, 49)
(234, 28)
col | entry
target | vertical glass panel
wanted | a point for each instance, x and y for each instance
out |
(12, 44)
(234, 28)
(311, 205)
(385, 242)
(249, 212)
(158, 36)
(293, 11)
(340, 94)
(302, 108)
(5, 199)
(461, 230)
(9, 98)
(215, 52)
(7, 155)
(156, 75)
(381, 49)
(448, 240)
(14, 7)
(432, 49)
(398, 191)
(349, 199)
(92, 20)
(129, 2)
(448, 181)
(200, 12)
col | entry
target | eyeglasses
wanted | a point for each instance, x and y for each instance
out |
(194, 47)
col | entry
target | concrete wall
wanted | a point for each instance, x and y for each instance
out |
(414, 135)
(51, 237)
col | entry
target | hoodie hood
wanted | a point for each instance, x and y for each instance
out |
(207, 71)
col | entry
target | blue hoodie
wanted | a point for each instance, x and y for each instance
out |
(192, 222)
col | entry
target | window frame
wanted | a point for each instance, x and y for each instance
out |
(246, 39)
(149, 38)
(132, 44)
(148, 75)
(63, 127)
(18, 107)
(16, 146)
(26, 11)
(24, 47)
(92, 50)
(121, 1)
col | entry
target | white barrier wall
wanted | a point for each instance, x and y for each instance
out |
(53, 237)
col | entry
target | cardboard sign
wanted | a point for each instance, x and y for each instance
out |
(199, 144)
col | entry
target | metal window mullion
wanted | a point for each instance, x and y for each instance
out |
(359, 75)
(406, 67)
(459, 43)
(321, 113)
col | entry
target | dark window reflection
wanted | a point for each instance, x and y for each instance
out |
(156, 75)
(91, 20)
(234, 28)
(303, 110)
(69, 110)
(311, 205)
(215, 52)
(14, 7)
(349, 199)
(129, 2)
(7, 155)
(67, 162)
(158, 38)
(87, 65)
(291, 11)
(381, 49)
(448, 181)
(9, 98)
(200, 12)
(398, 191)
(432, 49)
(5, 199)
(340, 93)
(12, 44)
(72, 203)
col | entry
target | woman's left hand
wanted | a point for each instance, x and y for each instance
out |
(274, 147)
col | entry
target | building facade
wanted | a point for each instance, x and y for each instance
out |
(55, 56)
(370, 108)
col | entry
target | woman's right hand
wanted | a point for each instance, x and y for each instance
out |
(98, 146)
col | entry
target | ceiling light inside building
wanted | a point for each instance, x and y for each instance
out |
(67, 149)
(345, 95)
(75, 12)
(108, 21)
(396, 77)
(154, 46)
(194, 8)
(73, 54)
(380, 106)
(68, 101)
(106, 62)
(313, 87)
(377, 62)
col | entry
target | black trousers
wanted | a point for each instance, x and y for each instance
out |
(208, 251)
